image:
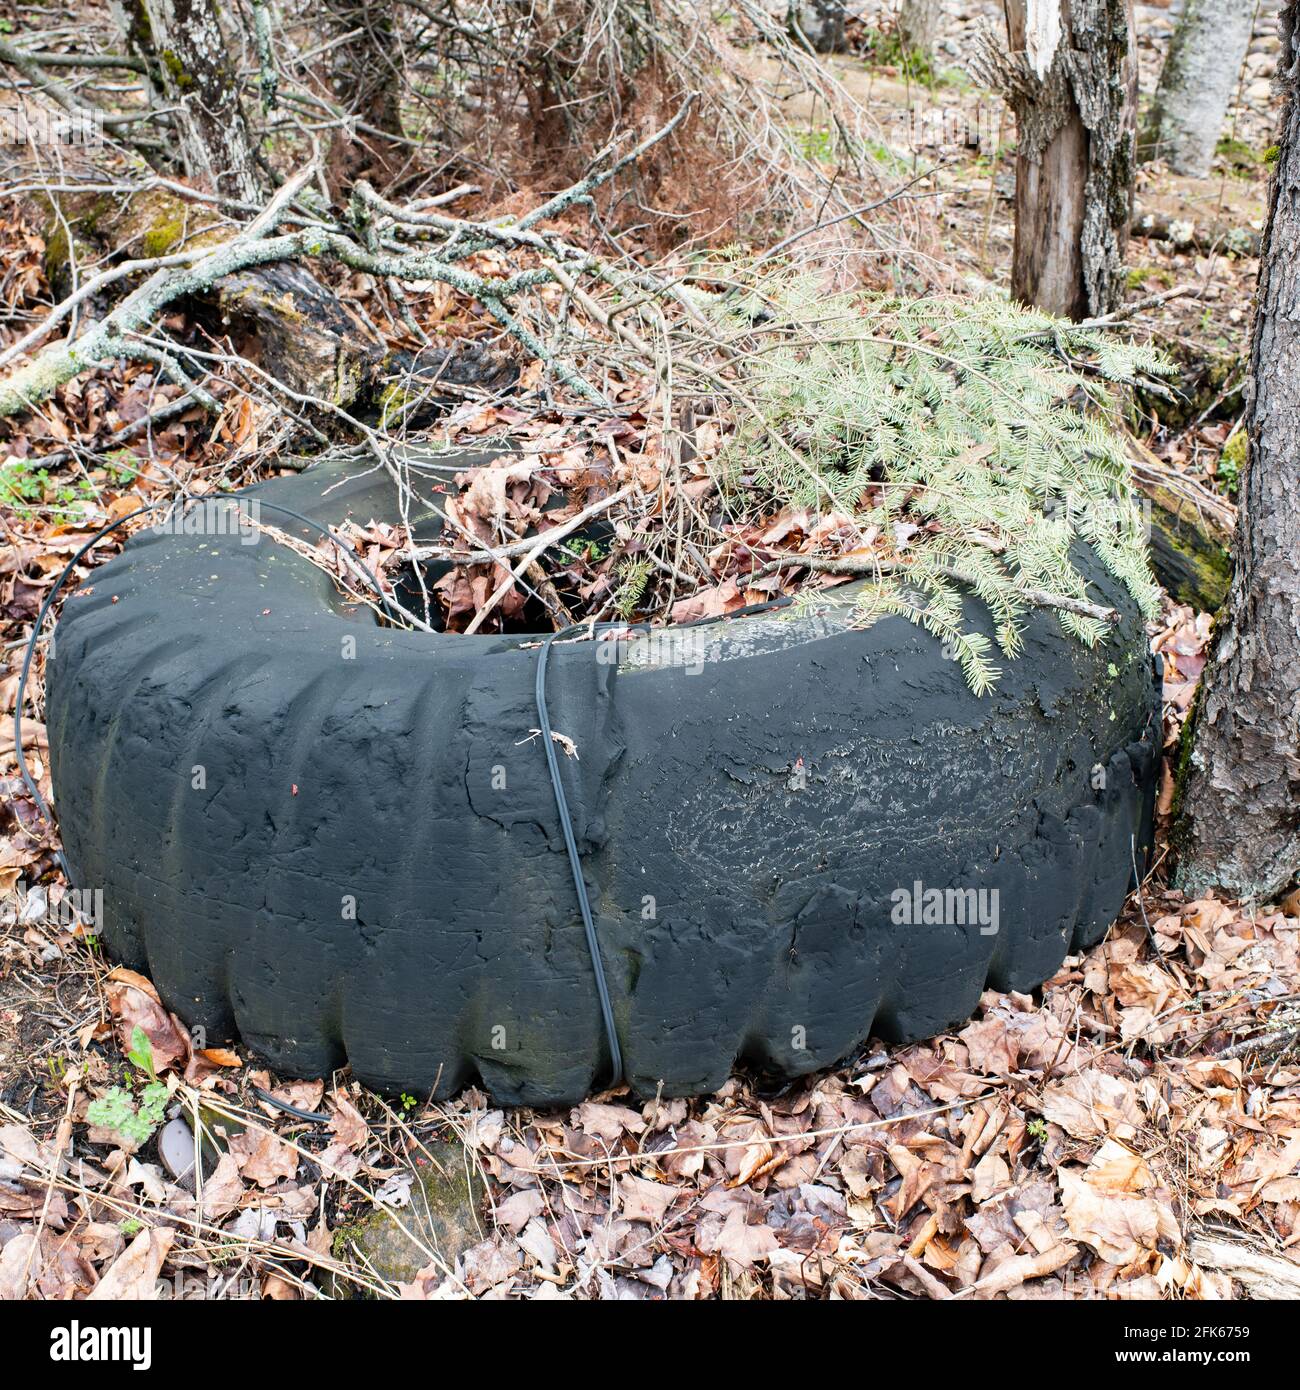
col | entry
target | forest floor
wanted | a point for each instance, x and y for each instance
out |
(1134, 1132)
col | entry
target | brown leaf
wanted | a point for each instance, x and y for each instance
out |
(20, 1266)
(134, 1274)
(608, 1122)
(1091, 1104)
(135, 1004)
(1122, 1229)
(740, 1244)
(644, 1200)
(348, 1122)
(224, 1190)
(262, 1157)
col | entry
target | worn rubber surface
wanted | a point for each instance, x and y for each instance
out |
(355, 857)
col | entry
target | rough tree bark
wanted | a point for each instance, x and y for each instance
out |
(918, 25)
(1204, 63)
(186, 56)
(821, 22)
(1240, 822)
(1072, 82)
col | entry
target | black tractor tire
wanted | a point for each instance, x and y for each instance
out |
(338, 840)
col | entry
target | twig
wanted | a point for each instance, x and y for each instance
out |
(547, 538)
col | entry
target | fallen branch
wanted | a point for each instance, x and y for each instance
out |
(186, 274)
(31, 68)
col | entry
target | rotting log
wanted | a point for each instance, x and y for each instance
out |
(1185, 234)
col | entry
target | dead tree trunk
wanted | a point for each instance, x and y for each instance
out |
(918, 25)
(821, 22)
(187, 58)
(1240, 825)
(1196, 84)
(1072, 81)
(1204, 63)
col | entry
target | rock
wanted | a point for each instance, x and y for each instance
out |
(446, 1197)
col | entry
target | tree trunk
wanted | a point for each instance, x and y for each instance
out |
(918, 24)
(1072, 82)
(365, 77)
(186, 54)
(1204, 63)
(1240, 824)
(821, 22)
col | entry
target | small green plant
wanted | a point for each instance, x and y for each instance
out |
(133, 1111)
(889, 50)
(122, 466)
(816, 144)
(635, 575)
(1238, 156)
(129, 1226)
(581, 550)
(409, 1103)
(25, 489)
(1037, 1129)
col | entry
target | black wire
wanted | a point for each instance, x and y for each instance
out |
(562, 804)
(313, 1115)
(575, 865)
(28, 781)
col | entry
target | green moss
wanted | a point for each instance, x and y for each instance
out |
(57, 247)
(1142, 275)
(184, 82)
(393, 401)
(443, 1214)
(1232, 462)
(160, 238)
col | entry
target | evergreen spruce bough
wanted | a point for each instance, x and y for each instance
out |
(989, 428)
